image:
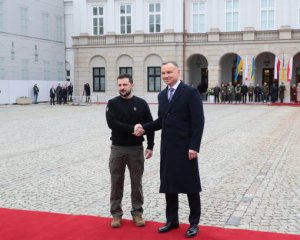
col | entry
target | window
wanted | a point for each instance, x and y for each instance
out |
(125, 70)
(98, 21)
(59, 29)
(2, 72)
(125, 19)
(154, 79)
(45, 21)
(68, 75)
(60, 71)
(24, 69)
(24, 20)
(1, 15)
(267, 14)
(154, 17)
(232, 15)
(47, 72)
(199, 15)
(98, 79)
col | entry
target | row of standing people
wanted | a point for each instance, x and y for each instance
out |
(62, 93)
(229, 93)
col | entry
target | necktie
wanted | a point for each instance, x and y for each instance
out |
(171, 92)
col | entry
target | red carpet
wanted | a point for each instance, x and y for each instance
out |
(32, 225)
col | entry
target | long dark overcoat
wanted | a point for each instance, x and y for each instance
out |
(182, 123)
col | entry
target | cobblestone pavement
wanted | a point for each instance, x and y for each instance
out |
(55, 158)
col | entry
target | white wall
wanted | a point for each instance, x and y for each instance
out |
(51, 49)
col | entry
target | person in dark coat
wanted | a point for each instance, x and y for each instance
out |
(181, 119)
(58, 94)
(273, 93)
(87, 91)
(52, 95)
(217, 91)
(281, 92)
(244, 91)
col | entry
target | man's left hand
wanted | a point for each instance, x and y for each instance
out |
(148, 153)
(192, 154)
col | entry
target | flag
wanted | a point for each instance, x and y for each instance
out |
(238, 68)
(282, 70)
(252, 69)
(289, 72)
(276, 67)
(246, 68)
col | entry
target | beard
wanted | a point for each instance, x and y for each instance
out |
(125, 93)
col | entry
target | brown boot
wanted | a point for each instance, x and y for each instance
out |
(116, 222)
(139, 221)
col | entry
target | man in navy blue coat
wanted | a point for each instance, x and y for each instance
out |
(181, 119)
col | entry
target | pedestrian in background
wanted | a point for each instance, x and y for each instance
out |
(52, 95)
(35, 93)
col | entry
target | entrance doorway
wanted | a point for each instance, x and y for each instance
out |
(297, 75)
(268, 77)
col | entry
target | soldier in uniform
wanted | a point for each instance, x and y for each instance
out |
(250, 92)
(230, 92)
(223, 93)
(238, 91)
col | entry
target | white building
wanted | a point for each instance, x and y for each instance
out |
(106, 37)
(32, 47)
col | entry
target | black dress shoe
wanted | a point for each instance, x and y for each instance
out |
(192, 231)
(169, 226)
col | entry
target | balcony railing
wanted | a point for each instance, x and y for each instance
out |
(197, 37)
(267, 35)
(231, 36)
(190, 37)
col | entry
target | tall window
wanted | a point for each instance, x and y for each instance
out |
(2, 73)
(60, 71)
(45, 22)
(125, 19)
(154, 79)
(24, 20)
(99, 79)
(47, 71)
(199, 12)
(24, 69)
(1, 15)
(267, 14)
(154, 17)
(126, 70)
(232, 15)
(98, 21)
(59, 28)
(68, 75)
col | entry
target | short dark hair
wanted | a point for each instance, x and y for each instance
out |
(172, 62)
(125, 75)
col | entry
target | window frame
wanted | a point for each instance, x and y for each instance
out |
(100, 76)
(268, 10)
(155, 76)
(126, 70)
(98, 17)
(199, 14)
(155, 13)
(24, 20)
(232, 11)
(126, 16)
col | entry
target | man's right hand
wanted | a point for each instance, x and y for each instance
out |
(138, 130)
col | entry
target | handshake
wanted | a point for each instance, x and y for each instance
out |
(138, 130)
